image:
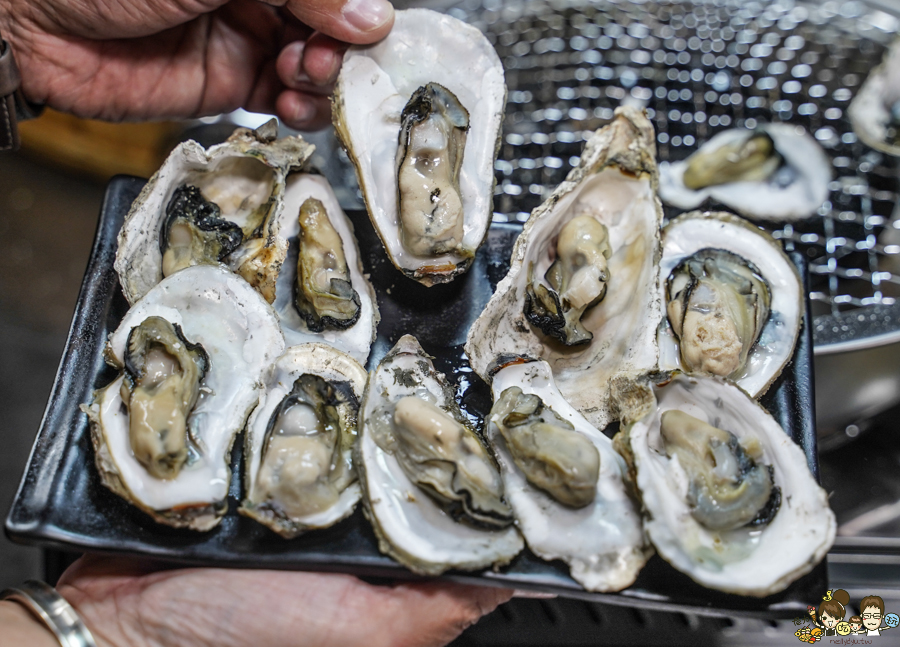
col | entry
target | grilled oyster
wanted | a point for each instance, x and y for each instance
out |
(568, 495)
(727, 495)
(322, 294)
(177, 471)
(212, 206)
(775, 172)
(423, 136)
(875, 110)
(432, 490)
(614, 184)
(300, 440)
(734, 300)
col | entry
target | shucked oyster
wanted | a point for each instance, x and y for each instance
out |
(322, 294)
(727, 495)
(734, 300)
(875, 110)
(564, 480)
(614, 186)
(300, 440)
(775, 172)
(205, 207)
(162, 431)
(432, 490)
(423, 136)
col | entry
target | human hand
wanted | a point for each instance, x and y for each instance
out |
(131, 59)
(130, 603)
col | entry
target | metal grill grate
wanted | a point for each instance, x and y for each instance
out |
(700, 68)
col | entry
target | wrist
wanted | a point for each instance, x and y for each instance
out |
(19, 627)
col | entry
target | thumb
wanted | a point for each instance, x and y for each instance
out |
(353, 21)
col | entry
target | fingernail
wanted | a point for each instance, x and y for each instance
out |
(304, 112)
(367, 15)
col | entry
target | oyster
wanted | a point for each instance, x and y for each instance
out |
(423, 136)
(875, 110)
(212, 206)
(432, 490)
(734, 300)
(178, 472)
(300, 440)
(613, 184)
(340, 303)
(775, 172)
(727, 495)
(569, 497)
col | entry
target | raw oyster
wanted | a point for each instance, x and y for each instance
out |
(734, 300)
(601, 540)
(432, 490)
(212, 206)
(300, 440)
(354, 338)
(211, 307)
(727, 495)
(614, 184)
(875, 110)
(385, 88)
(775, 172)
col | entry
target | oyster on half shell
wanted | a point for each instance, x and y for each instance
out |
(728, 497)
(213, 206)
(613, 184)
(419, 114)
(875, 110)
(433, 492)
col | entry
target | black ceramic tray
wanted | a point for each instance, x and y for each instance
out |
(61, 502)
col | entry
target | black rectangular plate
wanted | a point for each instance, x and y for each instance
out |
(61, 502)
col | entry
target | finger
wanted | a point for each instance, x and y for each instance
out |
(303, 111)
(289, 65)
(352, 21)
(322, 58)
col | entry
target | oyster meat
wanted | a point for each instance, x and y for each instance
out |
(192, 351)
(596, 237)
(322, 294)
(775, 172)
(213, 206)
(727, 496)
(875, 110)
(432, 489)
(423, 134)
(300, 440)
(564, 480)
(733, 300)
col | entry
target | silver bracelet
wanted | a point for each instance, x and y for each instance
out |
(51, 608)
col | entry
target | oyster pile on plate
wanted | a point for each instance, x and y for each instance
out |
(774, 172)
(191, 352)
(581, 292)
(205, 207)
(300, 440)
(734, 300)
(875, 110)
(564, 480)
(432, 489)
(727, 496)
(423, 134)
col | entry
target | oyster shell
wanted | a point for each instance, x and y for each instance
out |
(354, 339)
(775, 172)
(875, 110)
(727, 495)
(210, 206)
(237, 329)
(299, 443)
(602, 540)
(432, 490)
(614, 183)
(746, 335)
(373, 114)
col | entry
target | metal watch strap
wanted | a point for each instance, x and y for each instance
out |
(9, 85)
(53, 611)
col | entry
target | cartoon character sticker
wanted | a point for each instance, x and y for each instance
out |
(871, 609)
(828, 618)
(832, 611)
